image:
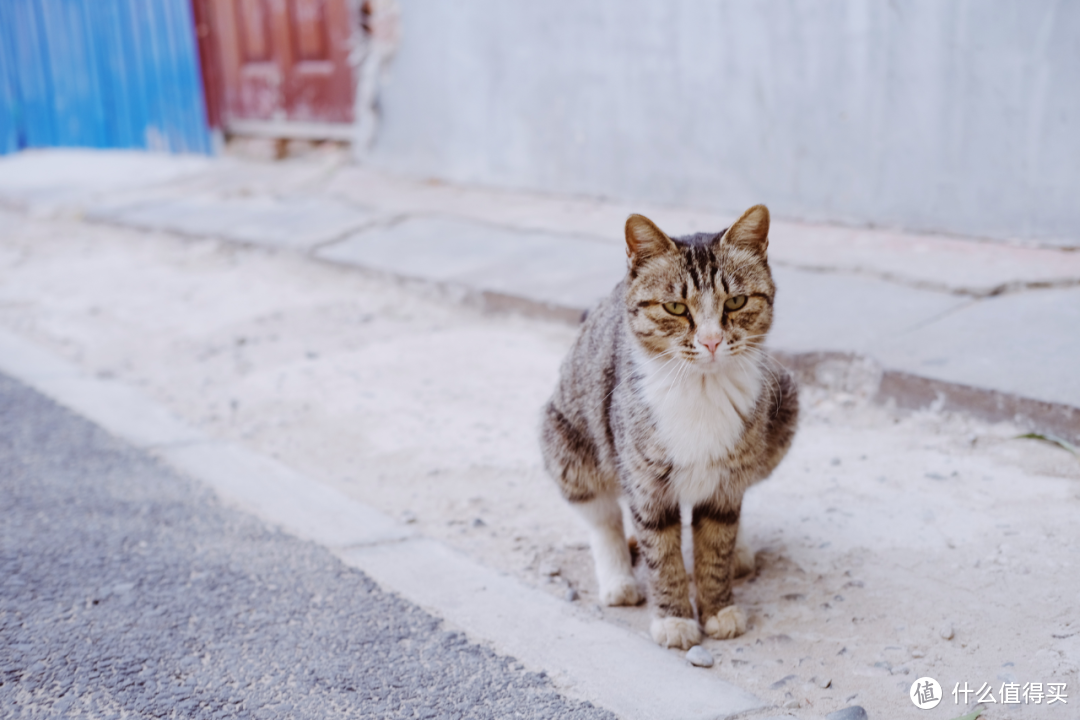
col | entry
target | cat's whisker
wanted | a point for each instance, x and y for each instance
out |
(677, 370)
(756, 355)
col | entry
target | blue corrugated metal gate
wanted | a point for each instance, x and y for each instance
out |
(100, 73)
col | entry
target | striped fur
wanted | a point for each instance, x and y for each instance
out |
(667, 408)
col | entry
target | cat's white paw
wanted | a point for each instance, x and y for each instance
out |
(744, 559)
(623, 591)
(728, 623)
(676, 632)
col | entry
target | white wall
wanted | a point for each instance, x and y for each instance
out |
(947, 115)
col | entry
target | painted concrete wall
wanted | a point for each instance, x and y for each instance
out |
(943, 115)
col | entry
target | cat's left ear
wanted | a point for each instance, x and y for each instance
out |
(751, 231)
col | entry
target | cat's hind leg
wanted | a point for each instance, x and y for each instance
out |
(610, 551)
(571, 459)
(744, 555)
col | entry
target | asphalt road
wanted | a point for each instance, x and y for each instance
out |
(127, 591)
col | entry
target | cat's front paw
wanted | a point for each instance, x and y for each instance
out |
(623, 591)
(728, 623)
(676, 632)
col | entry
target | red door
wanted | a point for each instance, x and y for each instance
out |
(283, 65)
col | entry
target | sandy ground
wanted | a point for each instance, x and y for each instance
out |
(889, 546)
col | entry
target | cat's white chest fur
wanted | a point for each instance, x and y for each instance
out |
(699, 417)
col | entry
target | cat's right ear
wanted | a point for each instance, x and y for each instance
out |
(644, 240)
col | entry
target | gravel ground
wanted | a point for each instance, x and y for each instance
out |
(130, 592)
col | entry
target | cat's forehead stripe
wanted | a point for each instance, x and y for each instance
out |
(701, 264)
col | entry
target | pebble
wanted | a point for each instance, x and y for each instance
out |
(478, 522)
(791, 704)
(947, 632)
(699, 656)
(854, 712)
(571, 594)
(782, 682)
(408, 517)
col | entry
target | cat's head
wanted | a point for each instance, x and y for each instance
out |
(703, 298)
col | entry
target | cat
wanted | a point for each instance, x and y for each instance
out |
(668, 399)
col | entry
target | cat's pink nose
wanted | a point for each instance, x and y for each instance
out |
(711, 342)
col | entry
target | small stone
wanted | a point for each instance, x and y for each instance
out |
(699, 656)
(782, 682)
(854, 712)
(408, 517)
(549, 569)
(824, 683)
(571, 594)
(478, 522)
(947, 632)
(791, 704)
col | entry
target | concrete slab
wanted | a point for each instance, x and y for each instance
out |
(928, 261)
(1024, 343)
(923, 260)
(299, 223)
(544, 267)
(848, 313)
(48, 180)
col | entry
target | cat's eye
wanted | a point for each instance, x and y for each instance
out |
(735, 302)
(675, 308)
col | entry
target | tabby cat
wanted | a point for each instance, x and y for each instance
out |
(668, 399)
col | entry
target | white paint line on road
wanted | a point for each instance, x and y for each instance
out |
(588, 658)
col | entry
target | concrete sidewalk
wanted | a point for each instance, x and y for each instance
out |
(985, 327)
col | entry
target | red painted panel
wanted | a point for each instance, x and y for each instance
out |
(253, 21)
(309, 22)
(284, 59)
